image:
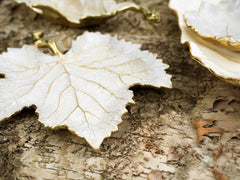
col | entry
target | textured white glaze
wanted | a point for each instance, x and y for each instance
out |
(76, 9)
(222, 61)
(86, 90)
(219, 21)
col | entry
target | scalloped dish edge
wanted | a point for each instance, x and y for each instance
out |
(233, 81)
(223, 41)
(57, 17)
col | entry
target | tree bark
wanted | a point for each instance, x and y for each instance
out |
(156, 134)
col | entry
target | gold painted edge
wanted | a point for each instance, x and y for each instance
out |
(38, 36)
(230, 80)
(233, 81)
(57, 17)
(223, 41)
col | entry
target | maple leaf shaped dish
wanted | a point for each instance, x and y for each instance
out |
(82, 13)
(221, 61)
(85, 90)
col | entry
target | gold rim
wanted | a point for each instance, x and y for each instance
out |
(233, 81)
(230, 80)
(223, 41)
(57, 17)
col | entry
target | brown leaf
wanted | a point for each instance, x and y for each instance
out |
(220, 176)
(154, 175)
(218, 152)
(204, 128)
(198, 122)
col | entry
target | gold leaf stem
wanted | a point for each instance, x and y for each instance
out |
(40, 42)
(150, 15)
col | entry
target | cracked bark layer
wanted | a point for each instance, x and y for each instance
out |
(160, 119)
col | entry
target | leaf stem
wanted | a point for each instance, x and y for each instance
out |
(40, 42)
(150, 15)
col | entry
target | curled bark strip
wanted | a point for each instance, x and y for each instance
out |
(218, 152)
(204, 128)
(220, 176)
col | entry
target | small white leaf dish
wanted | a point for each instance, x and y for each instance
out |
(82, 13)
(85, 90)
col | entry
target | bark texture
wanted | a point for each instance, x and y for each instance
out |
(156, 138)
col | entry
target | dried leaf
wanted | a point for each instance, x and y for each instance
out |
(222, 105)
(220, 176)
(199, 123)
(218, 152)
(154, 175)
(204, 129)
(86, 90)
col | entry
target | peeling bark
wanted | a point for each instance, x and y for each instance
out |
(160, 118)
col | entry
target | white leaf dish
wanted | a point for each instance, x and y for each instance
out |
(219, 23)
(85, 90)
(219, 60)
(82, 13)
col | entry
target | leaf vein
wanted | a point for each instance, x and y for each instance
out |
(93, 82)
(59, 99)
(91, 98)
(50, 87)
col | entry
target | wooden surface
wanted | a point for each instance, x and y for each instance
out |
(156, 138)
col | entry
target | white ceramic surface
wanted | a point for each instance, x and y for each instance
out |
(85, 90)
(220, 60)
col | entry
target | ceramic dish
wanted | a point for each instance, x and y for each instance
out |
(82, 13)
(219, 60)
(219, 23)
(85, 90)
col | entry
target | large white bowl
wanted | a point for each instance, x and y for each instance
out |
(221, 61)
